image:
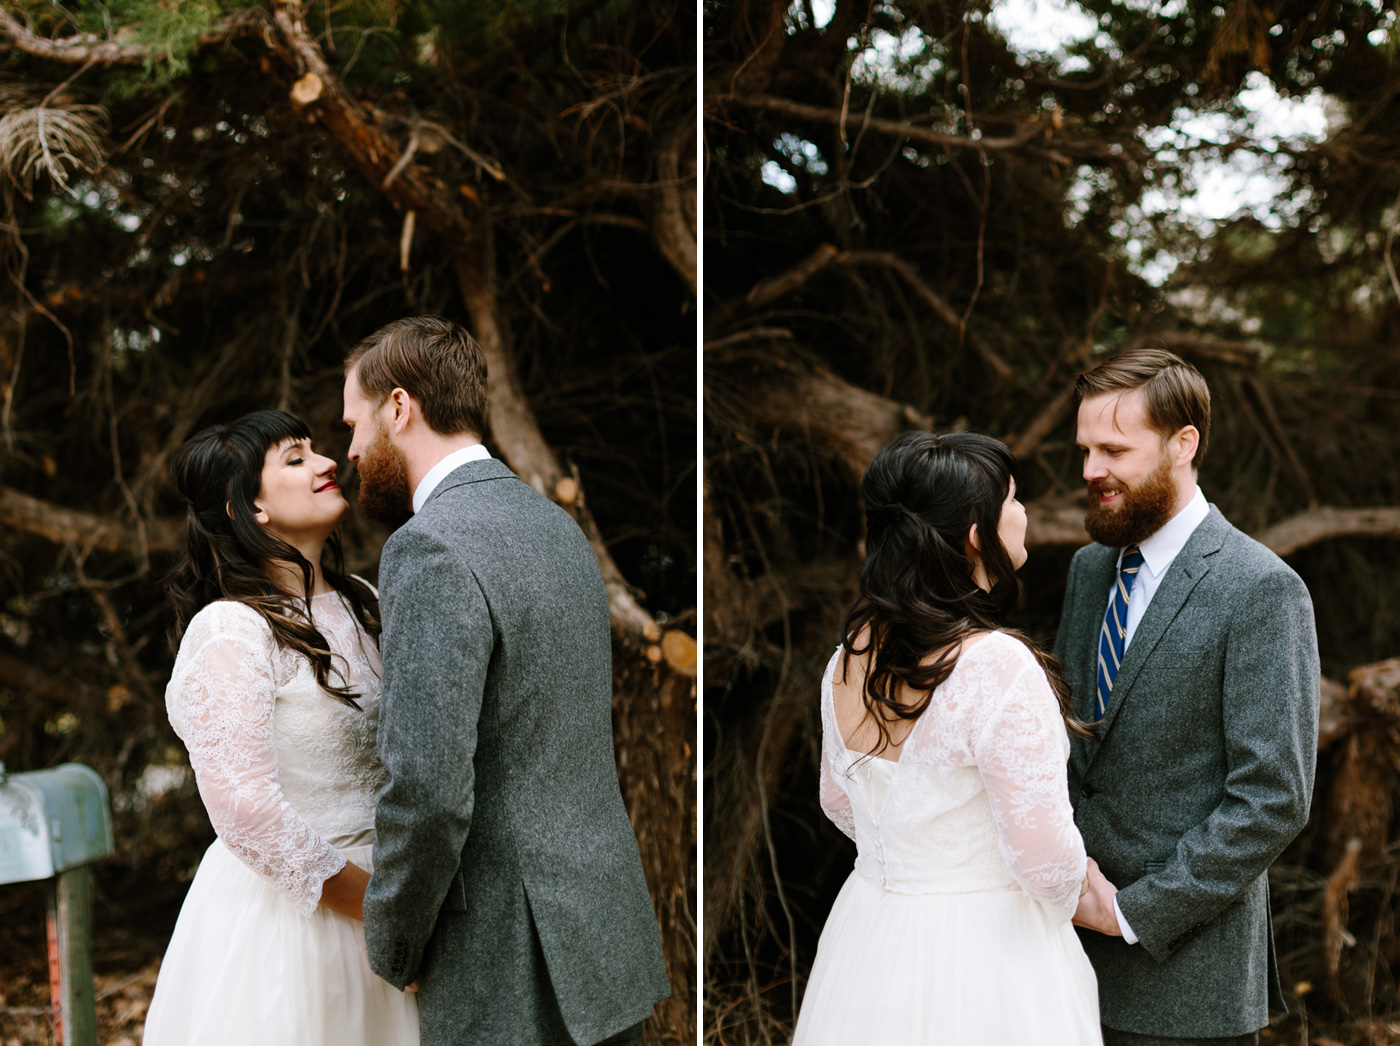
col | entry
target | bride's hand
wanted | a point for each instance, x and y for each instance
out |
(1095, 911)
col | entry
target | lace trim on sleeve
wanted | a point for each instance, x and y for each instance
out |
(1020, 751)
(220, 701)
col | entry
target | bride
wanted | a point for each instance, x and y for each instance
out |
(275, 693)
(944, 747)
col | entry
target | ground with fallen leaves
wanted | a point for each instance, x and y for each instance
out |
(122, 1000)
(132, 921)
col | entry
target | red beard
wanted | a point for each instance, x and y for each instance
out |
(1143, 509)
(385, 495)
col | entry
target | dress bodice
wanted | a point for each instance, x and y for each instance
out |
(287, 772)
(978, 798)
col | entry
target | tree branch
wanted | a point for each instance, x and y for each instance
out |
(673, 216)
(1324, 523)
(321, 95)
(857, 121)
(89, 49)
(66, 526)
(765, 292)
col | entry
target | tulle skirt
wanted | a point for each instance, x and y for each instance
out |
(244, 968)
(957, 969)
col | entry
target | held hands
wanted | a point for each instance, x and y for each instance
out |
(1095, 911)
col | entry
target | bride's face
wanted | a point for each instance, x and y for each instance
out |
(299, 498)
(1011, 532)
(1012, 528)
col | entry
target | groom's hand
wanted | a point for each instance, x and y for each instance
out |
(1095, 911)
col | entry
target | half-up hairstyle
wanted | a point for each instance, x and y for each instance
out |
(229, 555)
(922, 494)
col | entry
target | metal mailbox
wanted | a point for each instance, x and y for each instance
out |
(51, 821)
(53, 824)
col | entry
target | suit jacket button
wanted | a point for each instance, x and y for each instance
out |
(1087, 792)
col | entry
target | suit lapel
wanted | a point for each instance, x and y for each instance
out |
(1185, 573)
(1099, 577)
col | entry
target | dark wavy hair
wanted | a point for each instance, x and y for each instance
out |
(229, 555)
(922, 493)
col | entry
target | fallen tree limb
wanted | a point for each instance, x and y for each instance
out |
(835, 414)
(66, 526)
(1324, 523)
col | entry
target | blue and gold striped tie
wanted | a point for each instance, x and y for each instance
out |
(1112, 637)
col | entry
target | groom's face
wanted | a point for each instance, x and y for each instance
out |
(1132, 486)
(385, 493)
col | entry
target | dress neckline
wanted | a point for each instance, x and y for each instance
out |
(830, 695)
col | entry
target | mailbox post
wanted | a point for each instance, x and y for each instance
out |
(53, 824)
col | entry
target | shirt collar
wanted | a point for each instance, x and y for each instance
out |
(448, 465)
(1161, 548)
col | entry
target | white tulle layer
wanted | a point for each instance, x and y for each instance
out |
(244, 968)
(957, 969)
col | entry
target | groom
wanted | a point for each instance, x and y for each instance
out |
(506, 876)
(1194, 649)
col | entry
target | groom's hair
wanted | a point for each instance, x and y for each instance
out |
(436, 362)
(1174, 392)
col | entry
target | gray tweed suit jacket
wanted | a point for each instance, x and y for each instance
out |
(1203, 774)
(506, 880)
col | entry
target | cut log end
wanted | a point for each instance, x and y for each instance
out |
(566, 491)
(307, 90)
(679, 650)
(654, 654)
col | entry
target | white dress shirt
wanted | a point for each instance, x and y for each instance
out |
(1158, 553)
(448, 465)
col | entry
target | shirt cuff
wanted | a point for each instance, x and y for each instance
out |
(1123, 927)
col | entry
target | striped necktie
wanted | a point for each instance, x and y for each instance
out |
(1112, 637)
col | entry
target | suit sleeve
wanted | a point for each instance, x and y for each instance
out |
(1269, 708)
(437, 641)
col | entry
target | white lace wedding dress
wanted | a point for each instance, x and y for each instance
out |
(954, 927)
(288, 775)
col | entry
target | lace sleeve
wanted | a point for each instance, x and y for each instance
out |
(220, 701)
(836, 804)
(1020, 751)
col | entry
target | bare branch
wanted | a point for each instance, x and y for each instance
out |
(66, 526)
(765, 292)
(914, 132)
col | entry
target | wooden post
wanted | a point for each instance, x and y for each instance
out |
(70, 959)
